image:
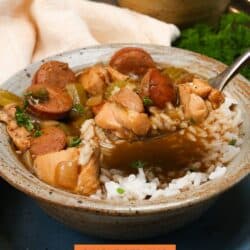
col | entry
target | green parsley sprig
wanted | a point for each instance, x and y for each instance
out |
(226, 42)
(41, 95)
(232, 142)
(78, 108)
(120, 190)
(24, 120)
(138, 164)
(147, 101)
(74, 141)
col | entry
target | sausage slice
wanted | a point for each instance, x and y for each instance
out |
(158, 87)
(57, 106)
(54, 73)
(132, 60)
(53, 139)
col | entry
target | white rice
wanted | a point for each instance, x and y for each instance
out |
(222, 125)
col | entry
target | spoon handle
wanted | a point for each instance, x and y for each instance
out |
(224, 77)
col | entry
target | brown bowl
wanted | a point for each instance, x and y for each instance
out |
(128, 220)
(179, 12)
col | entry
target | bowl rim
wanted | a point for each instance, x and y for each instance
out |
(62, 198)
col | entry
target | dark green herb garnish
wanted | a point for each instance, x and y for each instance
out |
(192, 168)
(28, 94)
(192, 121)
(232, 142)
(41, 95)
(226, 42)
(23, 120)
(78, 108)
(147, 101)
(25, 102)
(37, 133)
(74, 141)
(120, 190)
(138, 164)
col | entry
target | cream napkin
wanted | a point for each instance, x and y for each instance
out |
(31, 30)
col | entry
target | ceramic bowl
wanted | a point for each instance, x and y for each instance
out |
(123, 220)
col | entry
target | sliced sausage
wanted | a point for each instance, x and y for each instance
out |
(57, 106)
(53, 139)
(132, 61)
(158, 87)
(54, 73)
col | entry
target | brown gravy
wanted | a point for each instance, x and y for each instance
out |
(175, 152)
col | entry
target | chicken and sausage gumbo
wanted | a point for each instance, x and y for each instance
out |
(68, 126)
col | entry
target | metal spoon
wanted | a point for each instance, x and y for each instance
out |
(220, 81)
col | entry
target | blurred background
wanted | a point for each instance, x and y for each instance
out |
(184, 12)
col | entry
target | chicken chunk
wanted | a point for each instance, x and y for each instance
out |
(94, 80)
(194, 106)
(216, 98)
(4, 117)
(116, 75)
(88, 180)
(200, 87)
(20, 136)
(106, 117)
(129, 99)
(139, 123)
(197, 108)
(49, 167)
(184, 96)
(8, 113)
(97, 108)
(114, 117)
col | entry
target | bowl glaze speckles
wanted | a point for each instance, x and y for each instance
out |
(128, 220)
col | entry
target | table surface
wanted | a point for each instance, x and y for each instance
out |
(226, 225)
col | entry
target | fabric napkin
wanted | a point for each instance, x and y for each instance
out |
(31, 30)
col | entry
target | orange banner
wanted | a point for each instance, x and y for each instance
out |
(125, 247)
